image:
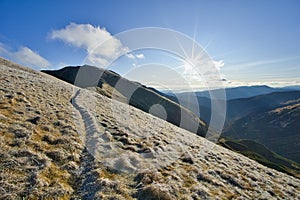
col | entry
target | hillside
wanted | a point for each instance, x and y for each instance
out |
(277, 128)
(109, 84)
(263, 155)
(47, 150)
(114, 86)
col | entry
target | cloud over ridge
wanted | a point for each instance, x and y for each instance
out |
(89, 38)
(24, 56)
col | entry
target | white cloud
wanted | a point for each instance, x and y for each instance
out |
(3, 49)
(24, 56)
(130, 56)
(28, 57)
(140, 56)
(196, 69)
(90, 38)
(134, 56)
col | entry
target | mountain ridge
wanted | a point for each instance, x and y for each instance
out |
(133, 93)
(47, 158)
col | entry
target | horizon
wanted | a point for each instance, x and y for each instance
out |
(179, 90)
(252, 43)
(193, 89)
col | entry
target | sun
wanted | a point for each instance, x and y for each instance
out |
(187, 65)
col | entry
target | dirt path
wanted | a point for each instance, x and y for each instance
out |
(87, 178)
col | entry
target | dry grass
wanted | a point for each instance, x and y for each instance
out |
(28, 166)
(46, 158)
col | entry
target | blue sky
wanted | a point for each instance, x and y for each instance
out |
(254, 41)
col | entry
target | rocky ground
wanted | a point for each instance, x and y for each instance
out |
(61, 142)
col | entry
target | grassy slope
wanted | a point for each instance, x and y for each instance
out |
(261, 154)
(255, 151)
(250, 149)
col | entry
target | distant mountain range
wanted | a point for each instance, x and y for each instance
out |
(292, 87)
(240, 100)
(239, 92)
(258, 118)
(274, 122)
(144, 97)
(238, 108)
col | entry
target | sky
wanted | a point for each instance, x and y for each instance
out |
(250, 42)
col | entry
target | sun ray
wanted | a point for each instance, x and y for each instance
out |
(176, 57)
(194, 41)
(181, 47)
(203, 49)
(179, 67)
